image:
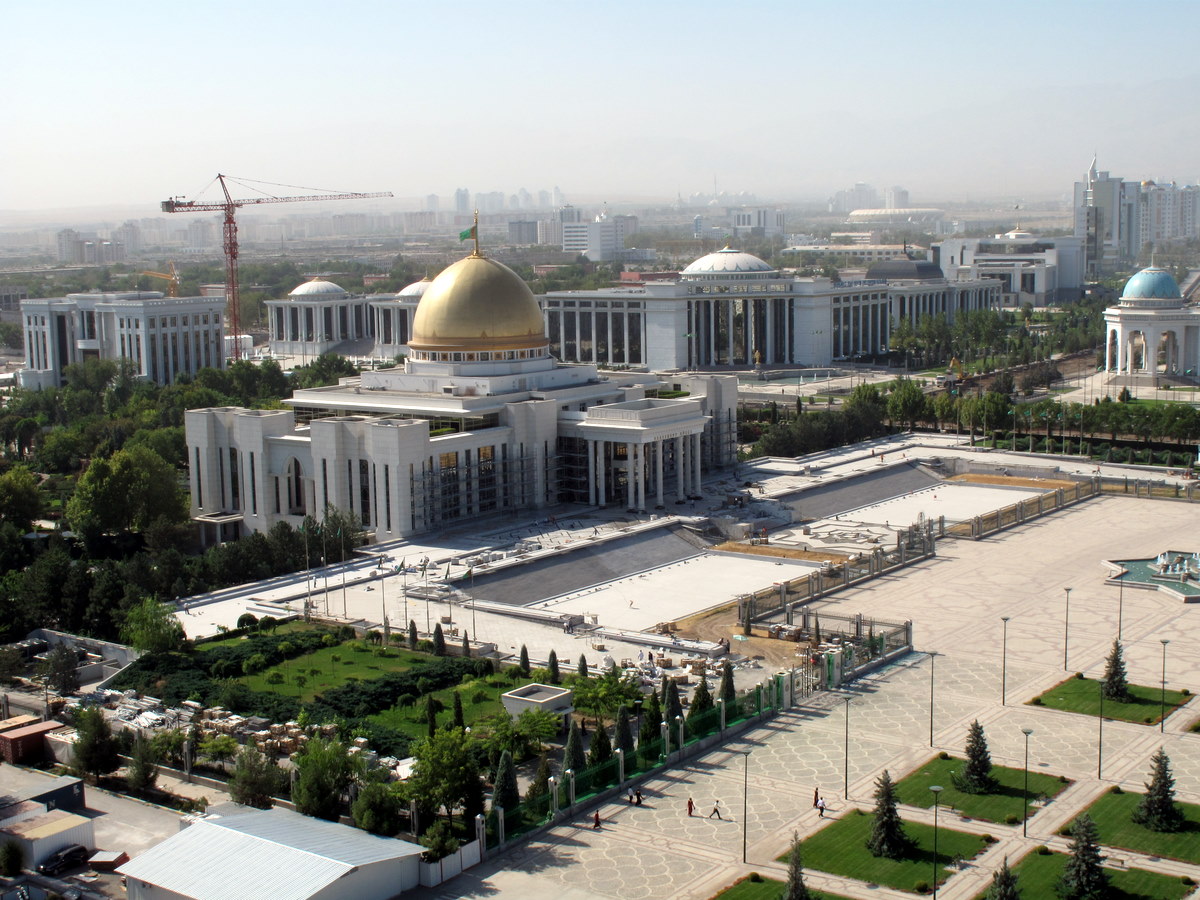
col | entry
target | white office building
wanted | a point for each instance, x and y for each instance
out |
(731, 308)
(164, 337)
(1031, 269)
(480, 420)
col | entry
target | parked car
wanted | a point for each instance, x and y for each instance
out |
(66, 858)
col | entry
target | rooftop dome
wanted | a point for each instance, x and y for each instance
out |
(417, 288)
(905, 269)
(1152, 283)
(478, 304)
(727, 261)
(317, 287)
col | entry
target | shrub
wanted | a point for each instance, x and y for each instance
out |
(1079, 676)
(1011, 819)
(755, 877)
(1186, 692)
(406, 700)
(921, 887)
(1115, 789)
(1041, 850)
(1064, 779)
(1036, 701)
(1188, 880)
(987, 839)
(479, 696)
(943, 755)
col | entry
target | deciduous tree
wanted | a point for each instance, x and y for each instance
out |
(324, 772)
(256, 779)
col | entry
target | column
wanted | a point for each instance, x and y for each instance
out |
(610, 336)
(629, 502)
(712, 332)
(696, 462)
(729, 321)
(679, 468)
(769, 356)
(749, 336)
(601, 447)
(591, 458)
(658, 470)
(641, 476)
(1108, 349)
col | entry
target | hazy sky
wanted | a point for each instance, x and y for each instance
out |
(131, 102)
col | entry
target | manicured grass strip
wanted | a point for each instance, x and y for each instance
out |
(1038, 875)
(480, 699)
(767, 889)
(841, 849)
(994, 807)
(322, 672)
(1112, 816)
(1082, 695)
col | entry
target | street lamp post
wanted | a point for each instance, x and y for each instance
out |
(1120, 606)
(846, 755)
(1004, 664)
(1162, 702)
(932, 657)
(1100, 733)
(1025, 793)
(745, 803)
(936, 789)
(1066, 627)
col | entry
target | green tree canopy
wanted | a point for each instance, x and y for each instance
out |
(325, 770)
(151, 627)
(19, 499)
(256, 779)
(127, 492)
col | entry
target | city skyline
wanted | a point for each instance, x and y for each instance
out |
(938, 97)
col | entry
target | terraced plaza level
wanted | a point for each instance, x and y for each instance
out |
(956, 602)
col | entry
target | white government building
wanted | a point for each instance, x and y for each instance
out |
(1152, 330)
(481, 419)
(164, 336)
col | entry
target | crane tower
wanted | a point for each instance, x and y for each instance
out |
(227, 207)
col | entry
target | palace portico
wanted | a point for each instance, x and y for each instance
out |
(1152, 330)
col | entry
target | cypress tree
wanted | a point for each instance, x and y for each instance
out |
(1116, 685)
(727, 691)
(439, 640)
(672, 706)
(523, 664)
(887, 831)
(976, 776)
(1157, 809)
(466, 646)
(458, 711)
(540, 786)
(1004, 884)
(796, 889)
(702, 701)
(601, 750)
(651, 721)
(1084, 878)
(552, 666)
(506, 796)
(623, 734)
(582, 669)
(431, 714)
(412, 635)
(573, 757)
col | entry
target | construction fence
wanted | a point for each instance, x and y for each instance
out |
(989, 523)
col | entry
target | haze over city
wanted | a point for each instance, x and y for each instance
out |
(121, 107)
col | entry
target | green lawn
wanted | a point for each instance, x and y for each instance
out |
(1037, 876)
(411, 719)
(1112, 811)
(767, 889)
(1082, 695)
(284, 628)
(993, 807)
(358, 660)
(840, 848)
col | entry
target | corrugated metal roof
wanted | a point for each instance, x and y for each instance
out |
(262, 853)
(52, 823)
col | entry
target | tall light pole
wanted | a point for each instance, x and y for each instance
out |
(936, 789)
(1066, 627)
(1100, 733)
(1120, 605)
(1162, 702)
(745, 804)
(1004, 664)
(846, 755)
(1025, 793)
(932, 657)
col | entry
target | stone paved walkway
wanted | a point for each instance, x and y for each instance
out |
(656, 851)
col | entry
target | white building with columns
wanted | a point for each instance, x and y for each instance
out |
(1152, 330)
(731, 308)
(163, 336)
(480, 420)
(317, 317)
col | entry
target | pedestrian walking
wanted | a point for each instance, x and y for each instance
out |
(596, 820)
(691, 807)
(631, 797)
(816, 797)
(716, 811)
(821, 808)
(637, 797)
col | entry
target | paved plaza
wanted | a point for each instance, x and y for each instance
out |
(956, 602)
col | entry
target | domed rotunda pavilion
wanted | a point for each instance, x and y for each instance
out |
(1152, 331)
(479, 420)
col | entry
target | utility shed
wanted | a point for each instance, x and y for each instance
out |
(41, 836)
(272, 853)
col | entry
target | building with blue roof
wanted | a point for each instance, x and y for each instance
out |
(1153, 330)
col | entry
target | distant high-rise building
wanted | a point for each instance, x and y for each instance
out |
(544, 200)
(760, 221)
(130, 235)
(600, 240)
(1106, 217)
(462, 202)
(201, 236)
(557, 198)
(431, 203)
(570, 213)
(490, 202)
(895, 198)
(861, 196)
(521, 231)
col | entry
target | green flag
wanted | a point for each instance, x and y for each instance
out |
(468, 234)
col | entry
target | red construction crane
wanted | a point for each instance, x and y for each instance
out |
(230, 242)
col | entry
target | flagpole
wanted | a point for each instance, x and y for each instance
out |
(475, 231)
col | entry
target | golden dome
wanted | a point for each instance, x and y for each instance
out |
(478, 304)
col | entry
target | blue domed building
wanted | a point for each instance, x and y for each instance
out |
(1152, 330)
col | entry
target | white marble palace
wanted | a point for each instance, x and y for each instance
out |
(481, 419)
